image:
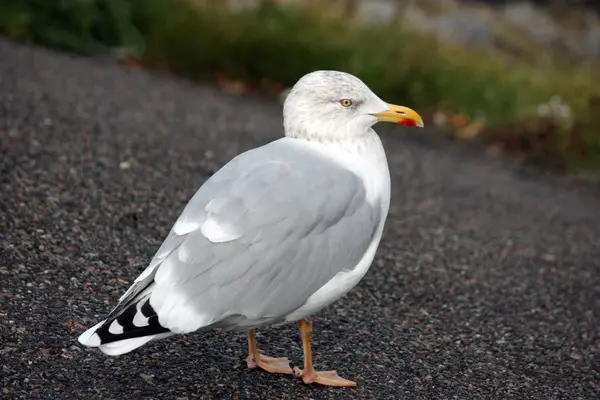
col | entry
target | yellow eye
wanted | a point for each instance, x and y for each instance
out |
(346, 102)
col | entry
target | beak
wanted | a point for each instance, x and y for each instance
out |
(400, 115)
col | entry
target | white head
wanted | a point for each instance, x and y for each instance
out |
(332, 105)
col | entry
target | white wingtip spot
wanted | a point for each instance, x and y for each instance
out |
(115, 328)
(139, 320)
(90, 338)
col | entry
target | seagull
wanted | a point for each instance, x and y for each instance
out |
(276, 235)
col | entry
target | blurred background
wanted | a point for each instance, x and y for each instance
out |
(520, 77)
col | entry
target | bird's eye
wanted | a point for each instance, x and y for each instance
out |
(346, 102)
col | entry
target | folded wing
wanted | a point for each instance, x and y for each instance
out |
(254, 243)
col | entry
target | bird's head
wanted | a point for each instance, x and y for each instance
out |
(339, 104)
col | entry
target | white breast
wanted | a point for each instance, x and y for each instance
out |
(367, 159)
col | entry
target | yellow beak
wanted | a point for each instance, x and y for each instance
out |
(400, 115)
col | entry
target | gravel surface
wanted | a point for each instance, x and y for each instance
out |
(486, 284)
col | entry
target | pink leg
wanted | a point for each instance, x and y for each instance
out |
(308, 374)
(269, 364)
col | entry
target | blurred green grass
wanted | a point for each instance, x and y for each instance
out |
(282, 43)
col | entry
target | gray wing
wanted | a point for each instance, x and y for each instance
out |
(259, 238)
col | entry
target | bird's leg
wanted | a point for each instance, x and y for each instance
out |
(269, 364)
(308, 374)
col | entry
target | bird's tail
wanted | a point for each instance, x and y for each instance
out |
(126, 329)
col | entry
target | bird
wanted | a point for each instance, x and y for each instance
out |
(277, 234)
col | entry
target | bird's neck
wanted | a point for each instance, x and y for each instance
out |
(363, 144)
(365, 149)
(328, 130)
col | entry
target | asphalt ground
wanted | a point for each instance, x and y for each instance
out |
(486, 284)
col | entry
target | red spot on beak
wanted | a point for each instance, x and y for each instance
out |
(407, 122)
